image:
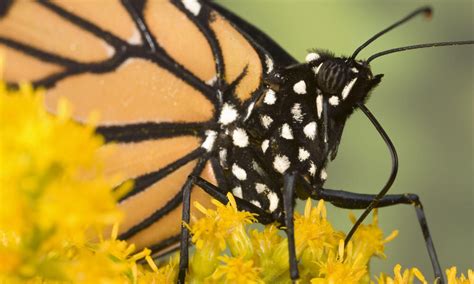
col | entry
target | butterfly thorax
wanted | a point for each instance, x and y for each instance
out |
(294, 125)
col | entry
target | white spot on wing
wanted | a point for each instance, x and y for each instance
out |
(228, 114)
(347, 88)
(300, 87)
(296, 111)
(237, 191)
(240, 138)
(319, 105)
(265, 145)
(266, 121)
(193, 6)
(270, 97)
(312, 56)
(109, 50)
(210, 139)
(238, 172)
(281, 163)
(136, 38)
(211, 81)
(269, 63)
(334, 100)
(286, 132)
(273, 198)
(310, 130)
(302, 154)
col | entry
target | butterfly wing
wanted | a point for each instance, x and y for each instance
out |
(154, 71)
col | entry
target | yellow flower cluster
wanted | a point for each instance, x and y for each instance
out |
(261, 256)
(55, 201)
(229, 250)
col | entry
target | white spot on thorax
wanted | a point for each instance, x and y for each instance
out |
(240, 138)
(281, 163)
(209, 141)
(286, 132)
(347, 88)
(261, 188)
(300, 87)
(334, 100)
(317, 68)
(324, 174)
(312, 56)
(296, 111)
(265, 145)
(223, 156)
(256, 203)
(270, 97)
(228, 114)
(238, 172)
(273, 198)
(269, 63)
(193, 6)
(237, 192)
(310, 130)
(302, 154)
(266, 121)
(353, 69)
(312, 169)
(249, 110)
(319, 105)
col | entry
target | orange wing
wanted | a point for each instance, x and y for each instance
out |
(154, 70)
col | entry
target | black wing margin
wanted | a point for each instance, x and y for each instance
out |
(282, 57)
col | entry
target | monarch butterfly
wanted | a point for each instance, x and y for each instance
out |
(140, 73)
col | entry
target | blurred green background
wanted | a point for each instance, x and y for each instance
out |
(425, 103)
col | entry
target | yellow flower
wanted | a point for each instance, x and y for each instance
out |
(52, 188)
(236, 270)
(345, 267)
(407, 277)
(314, 238)
(451, 274)
(219, 228)
(368, 239)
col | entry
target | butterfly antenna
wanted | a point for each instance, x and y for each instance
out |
(427, 11)
(418, 46)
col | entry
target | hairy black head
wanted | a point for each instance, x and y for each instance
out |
(344, 82)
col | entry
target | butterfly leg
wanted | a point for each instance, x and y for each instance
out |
(349, 200)
(288, 204)
(217, 194)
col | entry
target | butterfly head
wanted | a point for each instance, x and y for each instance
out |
(345, 82)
